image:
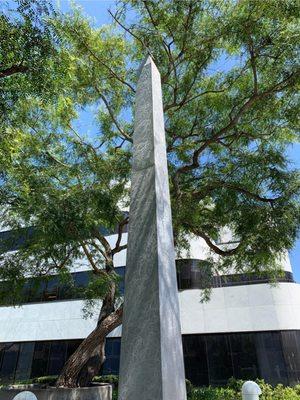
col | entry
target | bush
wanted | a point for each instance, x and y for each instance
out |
(235, 384)
(214, 394)
(233, 392)
(297, 389)
(112, 379)
(46, 380)
(189, 387)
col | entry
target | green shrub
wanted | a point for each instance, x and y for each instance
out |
(233, 392)
(189, 387)
(112, 379)
(209, 393)
(235, 384)
(24, 382)
(297, 389)
(46, 380)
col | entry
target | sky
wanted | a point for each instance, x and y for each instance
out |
(97, 10)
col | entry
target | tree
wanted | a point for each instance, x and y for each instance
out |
(229, 75)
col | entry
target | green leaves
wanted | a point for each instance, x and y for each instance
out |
(230, 77)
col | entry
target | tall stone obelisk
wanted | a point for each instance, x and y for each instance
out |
(151, 348)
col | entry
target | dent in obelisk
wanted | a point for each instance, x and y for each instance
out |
(151, 352)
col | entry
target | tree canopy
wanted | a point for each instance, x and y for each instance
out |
(230, 74)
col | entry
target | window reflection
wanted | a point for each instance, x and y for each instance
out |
(9, 361)
(23, 369)
(57, 357)
(209, 359)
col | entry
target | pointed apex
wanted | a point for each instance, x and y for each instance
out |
(147, 60)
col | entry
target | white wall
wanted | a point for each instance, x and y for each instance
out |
(231, 309)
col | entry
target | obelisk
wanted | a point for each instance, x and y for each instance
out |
(151, 365)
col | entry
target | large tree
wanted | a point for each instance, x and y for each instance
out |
(229, 74)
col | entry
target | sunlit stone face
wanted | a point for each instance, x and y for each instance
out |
(151, 352)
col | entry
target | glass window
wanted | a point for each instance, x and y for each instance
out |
(243, 353)
(25, 361)
(121, 272)
(57, 357)
(72, 345)
(291, 352)
(81, 279)
(40, 359)
(9, 362)
(51, 289)
(112, 353)
(218, 359)
(270, 357)
(195, 359)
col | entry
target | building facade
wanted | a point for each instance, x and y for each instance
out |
(248, 329)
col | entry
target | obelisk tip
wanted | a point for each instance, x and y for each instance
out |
(147, 60)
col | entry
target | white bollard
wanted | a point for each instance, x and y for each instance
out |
(250, 391)
(25, 396)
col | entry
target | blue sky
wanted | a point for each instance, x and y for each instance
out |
(97, 10)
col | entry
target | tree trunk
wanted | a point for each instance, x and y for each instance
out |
(91, 346)
(94, 364)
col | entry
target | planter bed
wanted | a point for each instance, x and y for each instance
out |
(99, 392)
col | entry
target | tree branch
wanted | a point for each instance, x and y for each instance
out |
(214, 247)
(232, 186)
(119, 248)
(234, 120)
(111, 113)
(14, 69)
(90, 258)
(126, 29)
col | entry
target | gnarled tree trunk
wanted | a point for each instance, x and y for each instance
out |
(92, 348)
(93, 366)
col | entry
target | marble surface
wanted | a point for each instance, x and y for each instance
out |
(151, 365)
(231, 309)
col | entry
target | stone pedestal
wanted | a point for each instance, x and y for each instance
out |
(151, 352)
(103, 392)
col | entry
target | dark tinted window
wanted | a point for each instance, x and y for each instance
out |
(72, 346)
(197, 274)
(243, 354)
(25, 361)
(218, 359)
(57, 357)
(112, 362)
(270, 357)
(291, 352)
(40, 359)
(209, 359)
(195, 360)
(9, 362)
(121, 272)
(14, 239)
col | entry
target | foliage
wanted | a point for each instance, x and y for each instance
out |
(41, 380)
(230, 78)
(233, 392)
(213, 393)
(48, 380)
(27, 55)
(112, 379)
(228, 129)
(189, 387)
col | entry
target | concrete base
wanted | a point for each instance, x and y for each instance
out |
(90, 393)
